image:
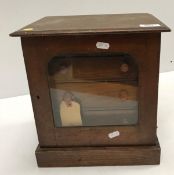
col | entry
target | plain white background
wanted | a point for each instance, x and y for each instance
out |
(19, 140)
(15, 14)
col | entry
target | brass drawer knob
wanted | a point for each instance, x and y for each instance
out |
(123, 94)
(124, 67)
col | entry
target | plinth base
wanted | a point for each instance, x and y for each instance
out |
(98, 156)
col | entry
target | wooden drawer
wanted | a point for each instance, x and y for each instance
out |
(101, 103)
(111, 89)
(99, 68)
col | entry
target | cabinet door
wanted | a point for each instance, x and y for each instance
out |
(97, 97)
(94, 90)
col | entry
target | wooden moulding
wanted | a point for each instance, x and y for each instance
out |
(98, 156)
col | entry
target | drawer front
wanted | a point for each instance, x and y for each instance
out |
(101, 103)
(77, 69)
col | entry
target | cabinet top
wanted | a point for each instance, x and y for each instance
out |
(93, 24)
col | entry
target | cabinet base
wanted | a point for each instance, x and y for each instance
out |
(98, 156)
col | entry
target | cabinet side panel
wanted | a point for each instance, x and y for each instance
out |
(37, 79)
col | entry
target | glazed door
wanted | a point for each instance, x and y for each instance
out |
(85, 96)
(94, 90)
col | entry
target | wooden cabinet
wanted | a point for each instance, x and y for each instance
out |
(94, 85)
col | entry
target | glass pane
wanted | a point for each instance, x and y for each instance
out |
(93, 90)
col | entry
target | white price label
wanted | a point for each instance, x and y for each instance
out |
(113, 134)
(102, 45)
(149, 25)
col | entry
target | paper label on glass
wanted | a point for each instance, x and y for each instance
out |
(70, 115)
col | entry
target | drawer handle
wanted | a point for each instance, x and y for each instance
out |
(123, 94)
(124, 67)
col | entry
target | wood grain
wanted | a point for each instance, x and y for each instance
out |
(98, 156)
(92, 24)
